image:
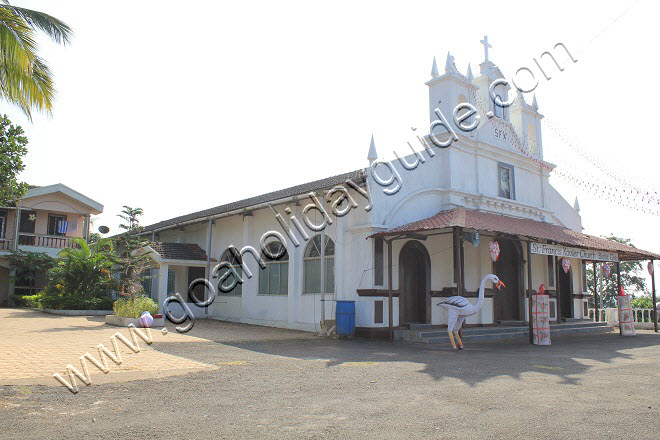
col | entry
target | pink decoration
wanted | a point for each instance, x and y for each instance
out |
(494, 250)
(607, 270)
(146, 320)
(621, 292)
(566, 264)
(650, 267)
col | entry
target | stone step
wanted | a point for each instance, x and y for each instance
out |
(520, 333)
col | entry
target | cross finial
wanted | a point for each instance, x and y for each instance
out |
(486, 45)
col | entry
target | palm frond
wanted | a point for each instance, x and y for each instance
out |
(56, 29)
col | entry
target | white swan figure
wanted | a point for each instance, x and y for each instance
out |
(460, 308)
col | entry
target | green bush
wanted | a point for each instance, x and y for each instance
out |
(32, 301)
(128, 308)
(55, 300)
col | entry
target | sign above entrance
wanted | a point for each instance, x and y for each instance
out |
(569, 252)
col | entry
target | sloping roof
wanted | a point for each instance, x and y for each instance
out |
(485, 221)
(358, 177)
(35, 191)
(179, 251)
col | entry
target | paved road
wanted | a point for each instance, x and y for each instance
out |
(270, 383)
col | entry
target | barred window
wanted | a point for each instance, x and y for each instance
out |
(312, 265)
(235, 260)
(274, 278)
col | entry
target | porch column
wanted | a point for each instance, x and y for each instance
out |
(390, 315)
(529, 291)
(209, 241)
(557, 293)
(596, 314)
(655, 309)
(162, 285)
(16, 225)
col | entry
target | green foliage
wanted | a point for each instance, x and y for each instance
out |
(25, 79)
(133, 308)
(131, 262)
(642, 302)
(28, 267)
(631, 281)
(13, 147)
(82, 278)
(32, 301)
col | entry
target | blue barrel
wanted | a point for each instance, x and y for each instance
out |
(345, 318)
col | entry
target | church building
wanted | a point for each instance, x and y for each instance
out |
(399, 236)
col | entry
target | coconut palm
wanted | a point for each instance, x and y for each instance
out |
(25, 79)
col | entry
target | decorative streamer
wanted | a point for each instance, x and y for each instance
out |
(494, 248)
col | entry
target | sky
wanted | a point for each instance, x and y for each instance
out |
(176, 108)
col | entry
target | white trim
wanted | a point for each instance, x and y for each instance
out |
(61, 188)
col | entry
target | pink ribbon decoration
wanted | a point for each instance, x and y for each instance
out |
(565, 264)
(494, 248)
(650, 267)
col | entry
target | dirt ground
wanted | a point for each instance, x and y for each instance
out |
(253, 382)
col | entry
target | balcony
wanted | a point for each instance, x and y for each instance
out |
(46, 241)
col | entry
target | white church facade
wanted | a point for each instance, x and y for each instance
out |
(412, 220)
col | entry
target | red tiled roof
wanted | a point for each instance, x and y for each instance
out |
(485, 221)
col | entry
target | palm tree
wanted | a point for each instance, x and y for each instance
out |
(25, 79)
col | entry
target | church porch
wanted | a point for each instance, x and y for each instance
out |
(524, 256)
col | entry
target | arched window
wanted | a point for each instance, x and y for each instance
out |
(461, 100)
(531, 139)
(235, 260)
(499, 110)
(274, 278)
(312, 265)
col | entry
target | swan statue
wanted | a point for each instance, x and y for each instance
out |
(460, 308)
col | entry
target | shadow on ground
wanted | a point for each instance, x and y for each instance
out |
(570, 356)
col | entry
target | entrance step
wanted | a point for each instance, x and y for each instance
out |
(436, 334)
(419, 326)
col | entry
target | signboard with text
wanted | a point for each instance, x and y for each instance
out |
(556, 250)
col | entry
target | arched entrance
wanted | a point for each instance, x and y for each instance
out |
(414, 283)
(508, 302)
(565, 292)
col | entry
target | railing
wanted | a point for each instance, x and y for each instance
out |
(6, 244)
(643, 318)
(601, 314)
(48, 241)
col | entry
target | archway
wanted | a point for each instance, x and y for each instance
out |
(414, 284)
(565, 292)
(508, 301)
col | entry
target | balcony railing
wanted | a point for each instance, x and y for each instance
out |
(48, 241)
(6, 244)
(643, 318)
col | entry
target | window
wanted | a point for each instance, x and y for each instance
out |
(506, 181)
(3, 223)
(378, 261)
(146, 283)
(551, 271)
(232, 257)
(274, 278)
(499, 110)
(171, 282)
(312, 265)
(56, 225)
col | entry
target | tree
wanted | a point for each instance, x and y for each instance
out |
(82, 278)
(132, 262)
(630, 279)
(13, 146)
(29, 269)
(25, 79)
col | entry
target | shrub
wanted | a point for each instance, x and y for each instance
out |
(32, 301)
(128, 308)
(54, 300)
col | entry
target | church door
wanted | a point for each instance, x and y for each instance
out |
(508, 301)
(565, 293)
(414, 283)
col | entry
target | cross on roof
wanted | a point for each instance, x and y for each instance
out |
(486, 45)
